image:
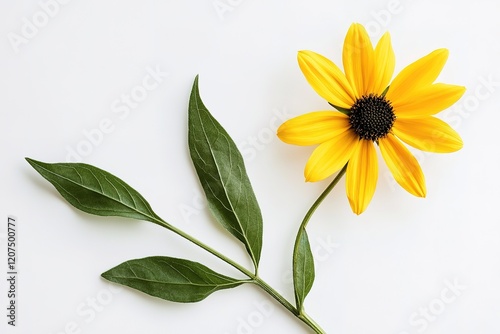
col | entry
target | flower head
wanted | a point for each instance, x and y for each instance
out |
(373, 110)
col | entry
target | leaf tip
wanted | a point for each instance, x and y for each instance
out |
(106, 275)
(32, 162)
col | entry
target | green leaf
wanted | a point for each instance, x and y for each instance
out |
(342, 110)
(303, 269)
(222, 174)
(95, 191)
(385, 91)
(177, 280)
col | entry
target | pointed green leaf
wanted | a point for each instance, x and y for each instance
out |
(95, 191)
(342, 110)
(177, 280)
(385, 91)
(222, 173)
(303, 269)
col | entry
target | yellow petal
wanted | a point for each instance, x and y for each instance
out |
(313, 128)
(362, 175)
(330, 156)
(427, 134)
(385, 61)
(403, 165)
(417, 75)
(326, 79)
(358, 60)
(429, 100)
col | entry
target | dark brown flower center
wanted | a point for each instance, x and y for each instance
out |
(372, 117)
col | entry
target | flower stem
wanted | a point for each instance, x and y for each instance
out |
(302, 230)
(320, 199)
(254, 278)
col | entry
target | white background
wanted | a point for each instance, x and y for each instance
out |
(376, 273)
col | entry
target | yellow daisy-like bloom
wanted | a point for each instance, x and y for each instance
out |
(372, 111)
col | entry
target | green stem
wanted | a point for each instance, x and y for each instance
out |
(302, 317)
(207, 248)
(254, 277)
(304, 223)
(319, 200)
(311, 323)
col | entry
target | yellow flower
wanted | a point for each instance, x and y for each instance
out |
(370, 111)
